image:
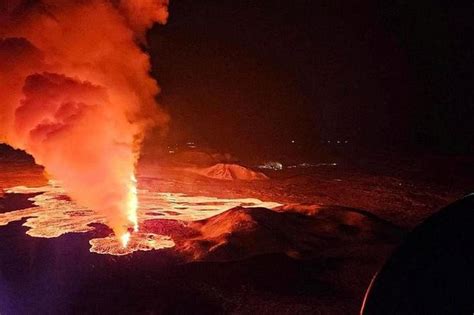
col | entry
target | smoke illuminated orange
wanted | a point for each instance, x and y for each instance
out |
(77, 95)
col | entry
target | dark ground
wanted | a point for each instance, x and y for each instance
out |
(60, 275)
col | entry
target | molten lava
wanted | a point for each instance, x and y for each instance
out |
(133, 203)
(132, 207)
(54, 215)
(125, 238)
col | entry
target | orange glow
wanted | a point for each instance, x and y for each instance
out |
(77, 95)
(124, 239)
(52, 216)
(133, 203)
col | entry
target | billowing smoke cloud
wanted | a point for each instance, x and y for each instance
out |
(76, 94)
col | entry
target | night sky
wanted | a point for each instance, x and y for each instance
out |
(254, 75)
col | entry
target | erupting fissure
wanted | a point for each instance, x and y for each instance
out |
(132, 208)
(76, 94)
(133, 203)
(125, 238)
(52, 215)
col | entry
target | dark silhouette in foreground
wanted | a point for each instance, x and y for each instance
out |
(431, 272)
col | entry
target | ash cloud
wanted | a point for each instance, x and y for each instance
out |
(75, 93)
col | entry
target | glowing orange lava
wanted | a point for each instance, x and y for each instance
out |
(133, 203)
(125, 238)
(53, 215)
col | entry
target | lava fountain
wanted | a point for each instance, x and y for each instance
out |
(76, 94)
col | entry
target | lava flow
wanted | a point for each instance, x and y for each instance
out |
(54, 214)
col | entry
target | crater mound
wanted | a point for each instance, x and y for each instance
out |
(244, 232)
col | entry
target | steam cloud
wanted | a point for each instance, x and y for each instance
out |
(75, 93)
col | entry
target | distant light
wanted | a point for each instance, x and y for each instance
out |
(338, 141)
(346, 141)
(292, 141)
(271, 165)
(171, 151)
(308, 165)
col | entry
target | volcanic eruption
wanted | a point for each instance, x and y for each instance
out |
(76, 94)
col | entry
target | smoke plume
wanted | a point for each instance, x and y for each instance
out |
(75, 93)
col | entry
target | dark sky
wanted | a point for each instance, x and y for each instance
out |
(255, 74)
